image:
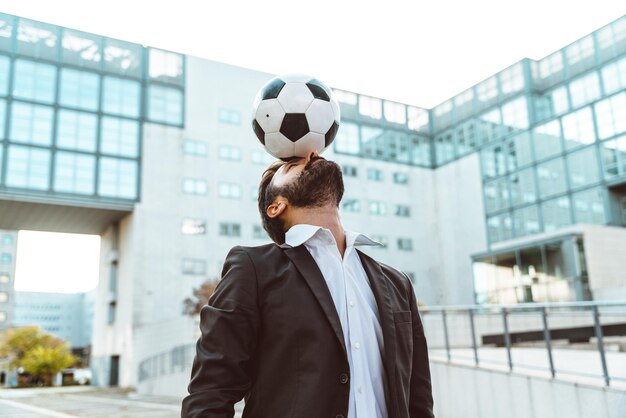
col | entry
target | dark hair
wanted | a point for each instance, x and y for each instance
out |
(274, 227)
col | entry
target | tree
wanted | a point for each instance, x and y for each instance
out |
(41, 355)
(193, 305)
(45, 362)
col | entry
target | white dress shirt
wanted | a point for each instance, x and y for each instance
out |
(357, 310)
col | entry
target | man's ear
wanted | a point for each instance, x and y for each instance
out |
(277, 207)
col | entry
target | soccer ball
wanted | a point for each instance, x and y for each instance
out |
(295, 114)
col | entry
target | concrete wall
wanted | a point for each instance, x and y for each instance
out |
(461, 228)
(469, 392)
(605, 252)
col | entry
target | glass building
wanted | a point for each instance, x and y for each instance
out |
(551, 135)
(72, 106)
(512, 191)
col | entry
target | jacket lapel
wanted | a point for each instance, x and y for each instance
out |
(308, 268)
(380, 288)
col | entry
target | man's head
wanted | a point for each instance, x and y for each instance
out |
(309, 182)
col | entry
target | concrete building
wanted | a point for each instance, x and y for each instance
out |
(68, 316)
(513, 190)
(8, 256)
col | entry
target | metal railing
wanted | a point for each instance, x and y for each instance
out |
(470, 332)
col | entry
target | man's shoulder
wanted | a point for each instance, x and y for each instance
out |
(258, 252)
(397, 277)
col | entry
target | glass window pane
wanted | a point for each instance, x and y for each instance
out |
(496, 195)
(77, 130)
(347, 139)
(547, 140)
(394, 112)
(614, 76)
(121, 97)
(370, 106)
(79, 89)
(398, 146)
(490, 126)
(520, 149)
(556, 213)
(512, 79)
(119, 137)
(614, 157)
(578, 128)
(82, 49)
(28, 167)
(515, 114)
(500, 227)
(34, 81)
(166, 66)
(523, 187)
(487, 91)
(526, 221)
(551, 175)
(122, 57)
(37, 39)
(611, 115)
(117, 178)
(583, 167)
(420, 151)
(589, 206)
(165, 104)
(417, 119)
(74, 173)
(31, 123)
(584, 89)
(493, 161)
(3, 109)
(7, 25)
(5, 65)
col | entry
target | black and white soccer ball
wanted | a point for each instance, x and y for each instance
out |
(295, 114)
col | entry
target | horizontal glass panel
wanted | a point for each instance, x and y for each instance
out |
(34, 81)
(28, 167)
(165, 104)
(77, 130)
(79, 89)
(74, 173)
(31, 123)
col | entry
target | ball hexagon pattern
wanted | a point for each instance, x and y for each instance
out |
(295, 114)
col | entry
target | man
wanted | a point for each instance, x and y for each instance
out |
(311, 327)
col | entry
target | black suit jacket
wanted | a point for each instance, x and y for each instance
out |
(271, 334)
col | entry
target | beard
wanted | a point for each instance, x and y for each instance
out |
(319, 184)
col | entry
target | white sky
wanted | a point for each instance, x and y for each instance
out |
(416, 52)
(54, 262)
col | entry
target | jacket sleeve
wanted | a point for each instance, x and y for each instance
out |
(222, 368)
(421, 400)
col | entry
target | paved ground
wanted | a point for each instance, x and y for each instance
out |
(73, 402)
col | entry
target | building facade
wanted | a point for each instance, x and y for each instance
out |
(8, 256)
(511, 191)
(68, 316)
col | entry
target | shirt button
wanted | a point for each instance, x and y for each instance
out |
(357, 345)
(351, 303)
(360, 389)
(343, 378)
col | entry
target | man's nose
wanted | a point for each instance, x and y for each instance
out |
(312, 154)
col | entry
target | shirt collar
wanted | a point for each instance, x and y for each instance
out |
(301, 233)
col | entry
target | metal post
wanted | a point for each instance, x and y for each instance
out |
(507, 337)
(471, 318)
(547, 340)
(596, 323)
(445, 333)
